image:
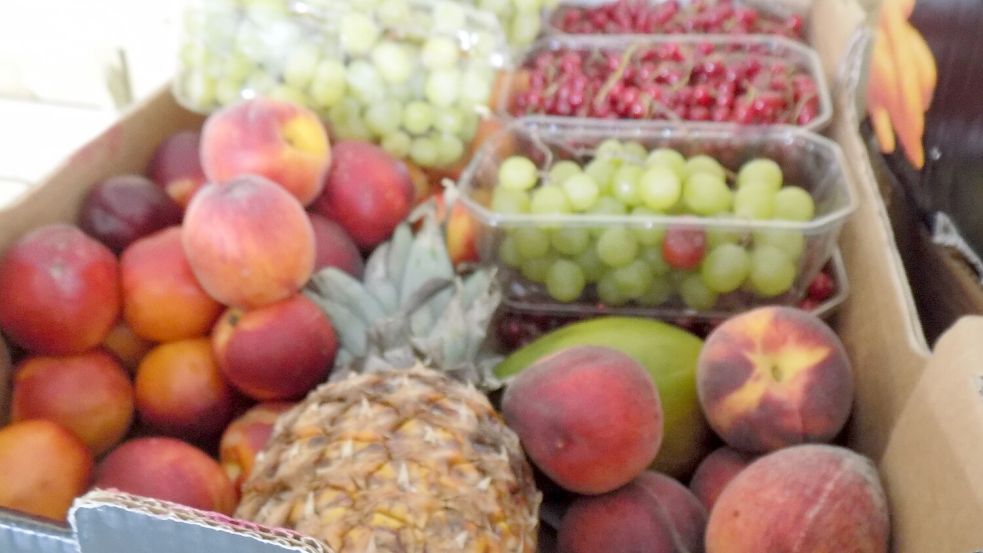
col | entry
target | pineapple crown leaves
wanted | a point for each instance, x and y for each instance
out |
(412, 307)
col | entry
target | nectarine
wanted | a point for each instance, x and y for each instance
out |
(717, 470)
(334, 248)
(125, 208)
(176, 166)
(246, 436)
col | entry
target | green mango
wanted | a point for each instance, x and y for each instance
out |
(668, 353)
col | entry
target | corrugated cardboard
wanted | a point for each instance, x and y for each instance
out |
(918, 415)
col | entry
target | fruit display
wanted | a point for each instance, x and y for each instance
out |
(747, 80)
(673, 220)
(675, 17)
(411, 75)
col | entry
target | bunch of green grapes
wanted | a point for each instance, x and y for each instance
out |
(413, 76)
(522, 20)
(644, 262)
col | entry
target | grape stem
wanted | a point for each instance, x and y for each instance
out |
(602, 94)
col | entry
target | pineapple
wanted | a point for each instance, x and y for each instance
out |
(401, 451)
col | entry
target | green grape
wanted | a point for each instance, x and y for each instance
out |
(443, 86)
(476, 87)
(449, 149)
(510, 201)
(525, 27)
(762, 171)
(469, 125)
(790, 242)
(498, 7)
(754, 200)
(418, 117)
(330, 83)
(634, 151)
(668, 158)
(707, 194)
(238, 67)
(633, 279)
(287, 94)
(659, 188)
(449, 16)
(611, 148)
(383, 118)
(393, 62)
(260, 83)
(508, 252)
(606, 205)
(397, 143)
(531, 242)
(424, 151)
(565, 280)
(528, 6)
(581, 191)
(228, 92)
(617, 246)
(772, 272)
(517, 173)
(439, 52)
(647, 234)
(549, 200)
(794, 204)
(657, 264)
(561, 171)
(658, 293)
(725, 268)
(357, 33)
(301, 64)
(393, 12)
(608, 291)
(695, 293)
(591, 264)
(365, 83)
(535, 269)
(704, 164)
(716, 236)
(602, 171)
(625, 184)
(570, 240)
(449, 121)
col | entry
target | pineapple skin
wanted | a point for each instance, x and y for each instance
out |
(405, 460)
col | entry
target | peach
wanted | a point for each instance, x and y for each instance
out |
(282, 141)
(170, 470)
(180, 391)
(126, 346)
(176, 166)
(89, 393)
(248, 242)
(774, 377)
(808, 498)
(334, 248)
(652, 513)
(589, 417)
(245, 437)
(162, 300)
(715, 471)
(276, 352)
(43, 467)
(367, 191)
(60, 291)
(124, 208)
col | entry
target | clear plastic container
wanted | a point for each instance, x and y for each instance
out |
(414, 76)
(808, 160)
(523, 21)
(655, 78)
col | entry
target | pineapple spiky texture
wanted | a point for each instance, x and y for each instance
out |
(400, 450)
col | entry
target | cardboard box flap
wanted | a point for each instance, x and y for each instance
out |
(20, 533)
(931, 464)
(111, 522)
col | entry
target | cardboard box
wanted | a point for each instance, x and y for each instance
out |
(918, 414)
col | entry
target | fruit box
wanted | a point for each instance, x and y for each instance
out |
(918, 414)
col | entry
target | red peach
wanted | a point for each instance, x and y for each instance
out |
(276, 352)
(367, 191)
(162, 300)
(717, 470)
(461, 235)
(60, 291)
(126, 346)
(125, 208)
(334, 248)
(774, 377)
(279, 140)
(248, 242)
(806, 498)
(180, 391)
(90, 394)
(176, 166)
(43, 467)
(170, 470)
(245, 437)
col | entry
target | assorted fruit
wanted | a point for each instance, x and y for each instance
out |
(284, 321)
